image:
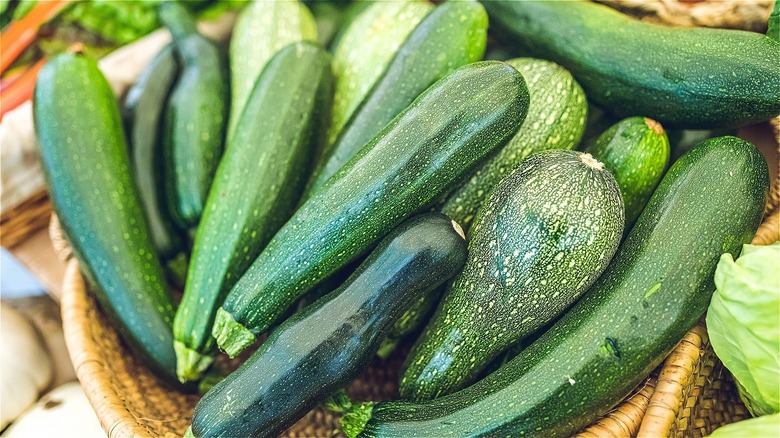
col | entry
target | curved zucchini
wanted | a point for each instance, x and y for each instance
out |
(322, 348)
(681, 77)
(143, 109)
(636, 152)
(262, 29)
(655, 289)
(545, 234)
(87, 168)
(456, 32)
(196, 117)
(555, 120)
(413, 161)
(273, 142)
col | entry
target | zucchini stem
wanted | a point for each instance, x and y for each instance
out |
(231, 336)
(190, 364)
(354, 421)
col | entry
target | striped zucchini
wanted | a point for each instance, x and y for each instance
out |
(543, 236)
(636, 151)
(414, 160)
(365, 49)
(273, 143)
(655, 289)
(262, 29)
(555, 120)
(455, 31)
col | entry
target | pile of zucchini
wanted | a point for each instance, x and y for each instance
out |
(405, 190)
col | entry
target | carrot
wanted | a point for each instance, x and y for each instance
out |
(21, 33)
(20, 90)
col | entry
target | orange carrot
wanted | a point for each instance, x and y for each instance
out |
(20, 90)
(21, 33)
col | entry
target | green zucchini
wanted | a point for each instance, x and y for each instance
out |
(273, 143)
(555, 120)
(655, 289)
(544, 235)
(636, 152)
(415, 317)
(143, 109)
(408, 165)
(261, 30)
(681, 77)
(196, 115)
(365, 49)
(322, 348)
(87, 167)
(455, 31)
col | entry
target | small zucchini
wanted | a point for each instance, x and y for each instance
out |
(431, 145)
(655, 289)
(322, 348)
(544, 235)
(636, 152)
(196, 116)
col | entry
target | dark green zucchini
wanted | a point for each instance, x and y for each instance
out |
(681, 77)
(544, 235)
(636, 152)
(655, 289)
(194, 129)
(430, 146)
(555, 120)
(143, 110)
(455, 31)
(87, 167)
(255, 190)
(322, 348)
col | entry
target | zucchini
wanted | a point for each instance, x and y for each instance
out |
(544, 235)
(681, 77)
(324, 347)
(555, 120)
(273, 142)
(143, 109)
(636, 152)
(413, 161)
(196, 116)
(87, 168)
(261, 30)
(455, 31)
(655, 289)
(364, 51)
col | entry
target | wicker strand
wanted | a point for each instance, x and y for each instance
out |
(625, 419)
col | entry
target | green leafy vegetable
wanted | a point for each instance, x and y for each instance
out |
(766, 426)
(744, 324)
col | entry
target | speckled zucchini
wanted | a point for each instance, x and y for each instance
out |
(655, 289)
(273, 143)
(142, 112)
(636, 152)
(455, 31)
(365, 49)
(87, 167)
(555, 120)
(682, 77)
(194, 128)
(261, 30)
(414, 160)
(543, 236)
(322, 348)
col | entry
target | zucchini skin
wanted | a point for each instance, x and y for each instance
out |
(682, 77)
(555, 120)
(262, 29)
(196, 117)
(87, 168)
(406, 167)
(657, 286)
(636, 152)
(324, 347)
(255, 190)
(142, 111)
(544, 235)
(456, 32)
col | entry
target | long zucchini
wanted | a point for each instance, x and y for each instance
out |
(413, 161)
(656, 288)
